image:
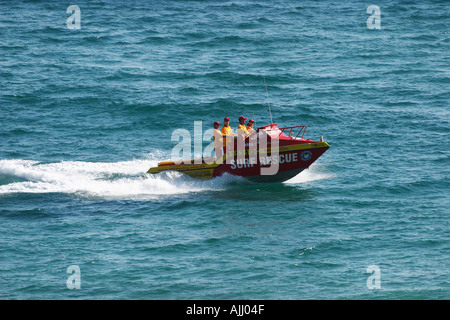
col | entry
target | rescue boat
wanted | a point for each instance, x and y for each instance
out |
(269, 154)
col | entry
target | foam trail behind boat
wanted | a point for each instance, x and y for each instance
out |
(125, 180)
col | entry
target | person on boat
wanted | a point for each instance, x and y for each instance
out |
(218, 140)
(241, 129)
(250, 126)
(227, 132)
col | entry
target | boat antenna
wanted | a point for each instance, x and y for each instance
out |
(268, 102)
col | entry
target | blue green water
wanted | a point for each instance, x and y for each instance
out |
(85, 112)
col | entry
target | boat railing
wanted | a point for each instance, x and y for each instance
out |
(291, 131)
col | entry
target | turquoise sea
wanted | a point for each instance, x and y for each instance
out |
(85, 112)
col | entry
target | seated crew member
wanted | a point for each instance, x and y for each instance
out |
(227, 132)
(218, 140)
(250, 126)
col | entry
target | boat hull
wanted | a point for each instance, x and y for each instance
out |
(266, 167)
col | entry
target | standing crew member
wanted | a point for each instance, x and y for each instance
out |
(227, 132)
(250, 126)
(241, 129)
(218, 140)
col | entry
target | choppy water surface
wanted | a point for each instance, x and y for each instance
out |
(85, 112)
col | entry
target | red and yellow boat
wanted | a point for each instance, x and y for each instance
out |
(269, 154)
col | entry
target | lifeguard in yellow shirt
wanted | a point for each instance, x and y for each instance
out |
(241, 129)
(250, 126)
(227, 132)
(218, 140)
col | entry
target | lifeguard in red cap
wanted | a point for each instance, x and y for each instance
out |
(250, 126)
(218, 140)
(241, 129)
(227, 132)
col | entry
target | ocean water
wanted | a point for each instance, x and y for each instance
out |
(85, 112)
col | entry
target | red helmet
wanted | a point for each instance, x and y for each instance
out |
(216, 123)
(242, 118)
(251, 121)
(226, 119)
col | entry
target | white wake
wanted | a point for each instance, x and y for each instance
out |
(122, 180)
(100, 179)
